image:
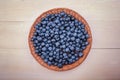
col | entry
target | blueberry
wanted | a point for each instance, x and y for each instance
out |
(67, 49)
(33, 38)
(73, 60)
(43, 30)
(45, 40)
(63, 46)
(44, 48)
(55, 63)
(64, 54)
(46, 34)
(36, 51)
(35, 34)
(61, 36)
(50, 54)
(36, 47)
(69, 55)
(62, 28)
(50, 48)
(86, 43)
(77, 40)
(76, 58)
(60, 65)
(57, 21)
(70, 61)
(80, 54)
(37, 27)
(36, 41)
(57, 57)
(49, 63)
(77, 48)
(44, 22)
(53, 25)
(83, 47)
(83, 26)
(47, 45)
(57, 43)
(39, 38)
(87, 36)
(79, 35)
(43, 44)
(46, 60)
(42, 57)
(44, 54)
(72, 38)
(50, 58)
(83, 37)
(60, 60)
(73, 57)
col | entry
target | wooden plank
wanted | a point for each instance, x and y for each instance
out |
(15, 34)
(101, 64)
(27, 10)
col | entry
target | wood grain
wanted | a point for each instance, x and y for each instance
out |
(16, 18)
(28, 10)
(17, 64)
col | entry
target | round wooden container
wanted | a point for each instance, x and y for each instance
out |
(85, 52)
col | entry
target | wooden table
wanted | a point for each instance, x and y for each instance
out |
(16, 18)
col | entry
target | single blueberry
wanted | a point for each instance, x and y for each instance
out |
(70, 61)
(67, 50)
(76, 58)
(34, 45)
(49, 63)
(44, 48)
(57, 43)
(46, 60)
(83, 37)
(42, 56)
(43, 44)
(86, 43)
(46, 34)
(39, 38)
(83, 47)
(73, 57)
(77, 40)
(43, 30)
(87, 36)
(50, 48)
(72, 38)
(80, 54)
(83, 26)
(63, 46)
(77, 48)
(50, 54)
(55, 63)
(36, 51)
(44, 53)
(36, 41)
(60, 60)
(60, 65)
(50, 58)
(69, 55)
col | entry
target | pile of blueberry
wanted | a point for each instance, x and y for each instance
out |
(59, 39)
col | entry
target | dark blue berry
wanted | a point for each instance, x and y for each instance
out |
(80, 54)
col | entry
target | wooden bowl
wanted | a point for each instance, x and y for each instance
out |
(85, 52)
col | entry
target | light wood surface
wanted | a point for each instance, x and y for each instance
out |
(16, 61)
